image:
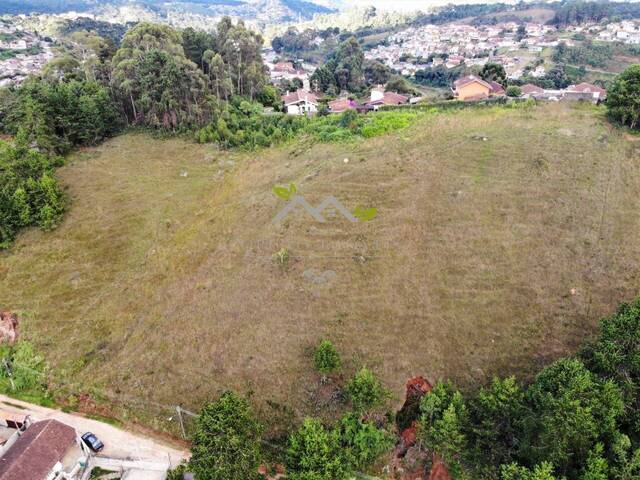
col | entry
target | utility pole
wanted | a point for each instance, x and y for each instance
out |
(179, 410)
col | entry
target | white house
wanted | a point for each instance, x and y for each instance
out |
(300, 102)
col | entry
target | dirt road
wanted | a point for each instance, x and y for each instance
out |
(119, 444)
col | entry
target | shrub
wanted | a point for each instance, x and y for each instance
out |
(326, 358)
(23, 366)
(315, 453)
(226, 441)
(363, 441)
(513, 91)
(365, 391)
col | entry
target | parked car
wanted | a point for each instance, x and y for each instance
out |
(93, 442)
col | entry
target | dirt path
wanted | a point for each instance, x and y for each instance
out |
(119, 444)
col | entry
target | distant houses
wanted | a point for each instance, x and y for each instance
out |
(304, 102)
(583, 91)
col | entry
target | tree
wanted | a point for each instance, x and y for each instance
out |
(616, 356)
(326, 358)
(623, 98)
(495, 417)
(596, 467)
(226, 441)
(365, 391)
(344, 69)
(375, 73)
(159, 85)
(493, 72)
(513, 91)
(315, 453)
(443, 422)
(542, 471)
(399, 84)
(570, 411)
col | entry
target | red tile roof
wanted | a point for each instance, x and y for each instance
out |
(390, 98)
(461, 82)
(299, 96)
(496, 88)
(342, 104)
(36, 451)
(587, 88)
(530, 88)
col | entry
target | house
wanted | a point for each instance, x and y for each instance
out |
(379, 98)
(300, 102)
(497, 89)
(471, 88)
(596, 93)
(342, 104)
(45, 450)
(531, 90)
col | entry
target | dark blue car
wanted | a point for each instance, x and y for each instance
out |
(93, 442)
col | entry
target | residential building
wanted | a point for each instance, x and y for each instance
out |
(342, 104)
(300, 102)
(45, 450)
(471, 88)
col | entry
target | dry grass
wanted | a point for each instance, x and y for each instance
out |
(164, 288)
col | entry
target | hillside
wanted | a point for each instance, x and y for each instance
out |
(502, 235)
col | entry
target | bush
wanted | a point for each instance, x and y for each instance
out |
(365, 391)
(513, 91)
(363, 441)
(226, 441)
(23, 367)
(326, 358)
(315, 453)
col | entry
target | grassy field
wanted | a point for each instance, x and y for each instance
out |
(502, 236)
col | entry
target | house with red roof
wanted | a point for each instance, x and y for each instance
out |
(531, 90)
(45, 450)
(588, 90)
(300, 102)
(342, 104)
(380, 97)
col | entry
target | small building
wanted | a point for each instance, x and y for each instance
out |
(342, 104)
(300, 102)
(530, 90)
(45, 450)
(471, 88)
(380, 97)
(596, 93)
